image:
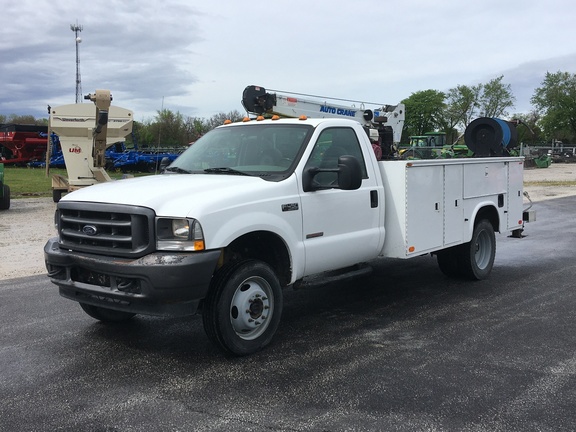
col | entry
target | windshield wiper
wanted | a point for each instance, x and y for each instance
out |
(178, 170)
(225, 170)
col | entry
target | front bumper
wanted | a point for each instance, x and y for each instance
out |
(161, 283)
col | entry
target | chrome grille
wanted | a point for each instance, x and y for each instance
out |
(106, 229)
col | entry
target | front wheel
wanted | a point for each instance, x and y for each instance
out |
(106, 315)
(478, 255)
(243, 308)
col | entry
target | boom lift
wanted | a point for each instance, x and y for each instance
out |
(84, 134)
(383, 123)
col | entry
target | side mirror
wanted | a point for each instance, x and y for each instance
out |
(349, 175)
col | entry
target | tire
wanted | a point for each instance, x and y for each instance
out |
(448, 261)
(56, 195)
(243, 307)
(5, 200)
(106, 315)
(477, 257)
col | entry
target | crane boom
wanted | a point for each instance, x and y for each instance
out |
(257, 100)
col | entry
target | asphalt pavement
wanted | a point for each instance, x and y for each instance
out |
(405, 349)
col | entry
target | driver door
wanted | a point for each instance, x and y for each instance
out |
(340, 227)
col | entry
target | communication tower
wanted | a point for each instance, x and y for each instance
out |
(77, 29)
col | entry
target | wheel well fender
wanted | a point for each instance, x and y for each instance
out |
(484, 210)
(265, 246)
(489, 213)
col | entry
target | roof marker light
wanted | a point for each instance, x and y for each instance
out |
(227, 121)
(302, 117)
(275, 117)
(246, 119)
(259, 118)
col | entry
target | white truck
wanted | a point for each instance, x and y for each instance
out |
(257, 206)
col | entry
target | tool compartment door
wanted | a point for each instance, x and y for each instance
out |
(424, 208)
(453, 205)
(515, 195)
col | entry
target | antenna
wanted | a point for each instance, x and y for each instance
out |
(77, 29)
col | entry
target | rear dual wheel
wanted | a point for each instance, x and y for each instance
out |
(473, 260)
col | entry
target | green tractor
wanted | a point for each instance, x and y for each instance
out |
(4, 191)
(432, 145)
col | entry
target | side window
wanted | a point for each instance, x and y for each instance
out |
(333, 143)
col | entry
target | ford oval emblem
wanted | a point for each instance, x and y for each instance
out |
(90, 230)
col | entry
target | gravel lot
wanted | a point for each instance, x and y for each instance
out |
(29, 222)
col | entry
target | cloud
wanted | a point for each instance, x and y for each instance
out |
(196, 58)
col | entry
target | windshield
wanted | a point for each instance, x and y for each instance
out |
(270, 150)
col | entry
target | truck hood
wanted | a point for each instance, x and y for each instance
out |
(177, 195)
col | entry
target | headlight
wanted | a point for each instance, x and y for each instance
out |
(179, 235)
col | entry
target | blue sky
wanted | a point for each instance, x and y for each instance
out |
(196, 57)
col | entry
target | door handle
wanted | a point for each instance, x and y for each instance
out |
(373, 198)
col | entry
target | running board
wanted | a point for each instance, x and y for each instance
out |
(321, 279)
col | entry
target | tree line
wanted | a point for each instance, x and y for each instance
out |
(167, 129)
(553, 118)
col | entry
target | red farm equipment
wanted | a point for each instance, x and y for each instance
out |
(22, 144)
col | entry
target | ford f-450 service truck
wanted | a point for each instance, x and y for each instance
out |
(254, 207)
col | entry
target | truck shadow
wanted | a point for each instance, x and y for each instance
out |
(397, 290)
